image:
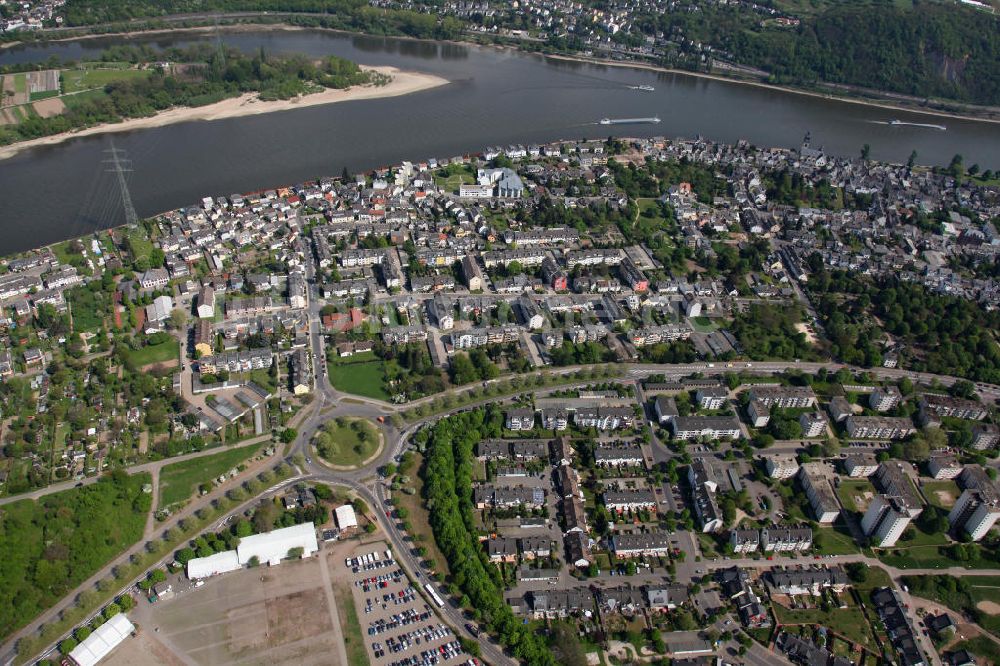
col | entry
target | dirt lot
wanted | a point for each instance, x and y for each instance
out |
(47, 108)
(267, 616)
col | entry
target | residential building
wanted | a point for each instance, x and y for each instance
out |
(784, 397)
(618, 455)
(879, 427)
(892, 611)
(839, 409)
(711, 397)
(860, 465)
(893, 480)
(703, 488)
(666, 408)
(502, 550)
(944, 466)
(520, 419)
(815, 479)
(781, 465)
(786, 539)
(206, 303)
(744, 541)
(758, 413)
(885, 520)
(812, 424)
(985, 436)
(643, 544)
(812, 580)
(975, 512)
(932, 407)
(884, 399)
(712, 427)
(621, 501)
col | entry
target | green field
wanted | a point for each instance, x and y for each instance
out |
(161, 353)
(45, 94)
(20, 83)
(835, 540)
(181, 479)
(848, 490)
(139, 245)
(347, 442)
(932, 488)
(77, 80)
(982, 647)
(360, 377)
(88, 308)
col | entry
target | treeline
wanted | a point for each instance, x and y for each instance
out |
(355, 15)
(209, 75)
(447, 478)
(930, 50)
(941, 334)
(49, 547)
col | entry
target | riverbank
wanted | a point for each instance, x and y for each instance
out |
(401, 83)
(872, 98)
(888, 105)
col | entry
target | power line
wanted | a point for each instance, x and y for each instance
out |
(119, 166)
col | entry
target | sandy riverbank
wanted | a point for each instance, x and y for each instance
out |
(785, 89)
(402, 83)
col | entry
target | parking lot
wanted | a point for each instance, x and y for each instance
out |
(398, 626)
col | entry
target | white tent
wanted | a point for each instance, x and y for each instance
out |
(219, 563)
(346, 517)
(272, 547)
(105, 638)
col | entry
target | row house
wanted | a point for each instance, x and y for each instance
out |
(643, 544)
(618, 455)
(604, 418)
(630, 500)
(241, 361)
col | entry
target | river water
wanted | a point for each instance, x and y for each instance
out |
(495, 97)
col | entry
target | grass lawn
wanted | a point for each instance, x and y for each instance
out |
(847, 622)
(418, 517)
(836, 540)
(849, 490)
(350, 627)
(941, 494)
(20, 82)
(982, 647)
(703, 324)
(89, 308)
(45, 94)
(139, 245)
(76, 80)
(181, 479)
(347, 442)
(161, 353)
(360, 377)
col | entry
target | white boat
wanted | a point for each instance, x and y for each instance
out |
(644, 88)
(628, 121)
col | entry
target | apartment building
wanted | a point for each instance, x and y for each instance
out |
(786, 539)
(744, 541)
(812, 424)
(975, 512)
(644, 544)
(892, 480)
(784, 397)
(885, 520)
(933, 407)
(879, 427)
(815, 478)
(519, 419)
(781, 465)
(712, 427)
(860, 465)
(714, 397)
(884, 399)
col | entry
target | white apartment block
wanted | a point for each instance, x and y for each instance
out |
(885, 520)
(975, 512)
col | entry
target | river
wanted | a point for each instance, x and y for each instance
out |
(495, 96)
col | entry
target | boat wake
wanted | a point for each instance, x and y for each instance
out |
(900, 123)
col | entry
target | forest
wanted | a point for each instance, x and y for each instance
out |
(49, 547)
(204, 75)
(447, 475)
(942, 334)
(931, 49)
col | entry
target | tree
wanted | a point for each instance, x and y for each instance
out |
(178, 318)
(866, 152)
(912, 160)
(296, 553)
(288, 435)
